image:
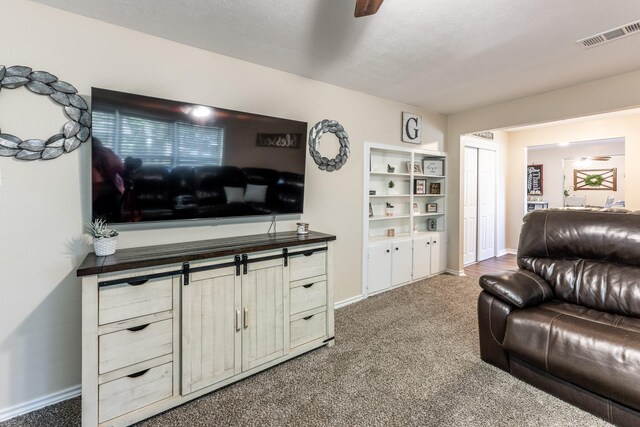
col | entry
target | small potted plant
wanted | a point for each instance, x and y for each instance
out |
(390, 168)
(388, 210)
(391, 187)
(104, 238)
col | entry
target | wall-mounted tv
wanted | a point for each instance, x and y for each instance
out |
(160, 160)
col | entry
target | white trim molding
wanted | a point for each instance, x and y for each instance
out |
(348, 301)
(511, 251)
(40, 402)
(460, 273)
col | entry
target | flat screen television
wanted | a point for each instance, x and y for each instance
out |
(160, 160)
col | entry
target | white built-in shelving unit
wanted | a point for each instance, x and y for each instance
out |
(416, 246)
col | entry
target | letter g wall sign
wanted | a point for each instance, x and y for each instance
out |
(411, 128)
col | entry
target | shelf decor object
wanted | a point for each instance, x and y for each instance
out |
(433, 167)
(74, 132)
(419, 186)
(595, 179)
(534, 180)
(316, 133)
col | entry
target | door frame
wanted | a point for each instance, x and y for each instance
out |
(472, 141)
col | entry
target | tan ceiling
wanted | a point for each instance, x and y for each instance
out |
(444, 56)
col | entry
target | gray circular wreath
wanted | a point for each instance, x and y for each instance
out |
(316, 133)
(74, 132)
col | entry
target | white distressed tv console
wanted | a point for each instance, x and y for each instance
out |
(163, 325)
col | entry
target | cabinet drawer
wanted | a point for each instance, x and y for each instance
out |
(302, 266)
(135, 391)
(131, 346)
(307, 296)
(120, 302)
(308, 328)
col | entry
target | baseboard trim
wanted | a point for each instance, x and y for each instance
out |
(501, 252)
(40, 402)
(511, 251)
(455, 272)
(348, 301)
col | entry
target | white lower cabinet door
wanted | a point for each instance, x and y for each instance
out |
(421, 257)
(379, 267)
(264, 312)
(438, 253)
(211, 330)
(401, 262)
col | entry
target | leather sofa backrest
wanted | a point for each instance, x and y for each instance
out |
(588, 258)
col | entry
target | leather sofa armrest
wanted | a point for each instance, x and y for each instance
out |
(520, 288)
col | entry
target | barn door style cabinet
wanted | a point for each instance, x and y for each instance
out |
(166, 324)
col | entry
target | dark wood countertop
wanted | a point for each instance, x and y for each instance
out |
(149, 256)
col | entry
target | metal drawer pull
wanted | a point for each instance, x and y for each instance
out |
(137, 282)
(246, 318)
(138, 374)
(238, 321)
(308, 253)
(308, 286)
(308, 317)
(138, 328)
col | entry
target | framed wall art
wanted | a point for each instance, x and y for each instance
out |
(419, 186)
(534, 180)
(434, 188)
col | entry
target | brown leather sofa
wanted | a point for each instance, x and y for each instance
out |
(568, 321)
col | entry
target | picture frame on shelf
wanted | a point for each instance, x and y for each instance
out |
(419, 186)
(416, 208)
(433, 167)
(391, 232)
(434, 188)
(414, 167)
(432, 224)
(432, 207)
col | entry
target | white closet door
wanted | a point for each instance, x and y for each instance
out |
(486, 204)
(470, 203)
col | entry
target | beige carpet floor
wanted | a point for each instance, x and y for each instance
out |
(408, 357)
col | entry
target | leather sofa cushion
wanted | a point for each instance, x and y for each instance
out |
(604, 236)
(592, 349)
(606, 286)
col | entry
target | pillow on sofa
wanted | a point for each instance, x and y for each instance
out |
(256, 193)
(234, 194)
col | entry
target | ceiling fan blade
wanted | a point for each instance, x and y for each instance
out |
(366, 7)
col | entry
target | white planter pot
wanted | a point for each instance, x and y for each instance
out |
(105, 246)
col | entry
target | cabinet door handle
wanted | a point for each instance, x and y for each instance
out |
(308, 317)
(396, 249)
(308, 286)
(388, 251)
(138, 328)
(137, 282)
(238, 321)
(138, 374)
(246, 317)
(434, 242)
(428, 243)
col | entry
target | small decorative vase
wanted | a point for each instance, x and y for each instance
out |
(105, 246)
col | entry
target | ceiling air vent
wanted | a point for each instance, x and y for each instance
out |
(610, 35)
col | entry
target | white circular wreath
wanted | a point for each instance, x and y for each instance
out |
(316, 133)
(74, 132)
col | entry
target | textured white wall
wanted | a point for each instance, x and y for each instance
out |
(44, 204)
